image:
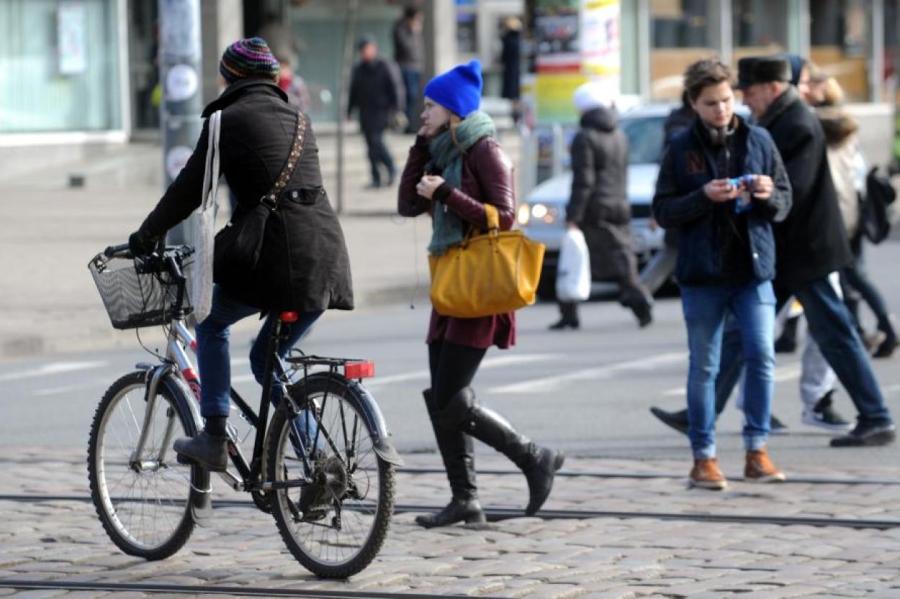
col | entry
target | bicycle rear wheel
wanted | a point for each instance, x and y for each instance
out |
(336, 523)
(143, 503)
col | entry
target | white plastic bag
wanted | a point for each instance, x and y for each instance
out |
(573, 272)
(203, 230)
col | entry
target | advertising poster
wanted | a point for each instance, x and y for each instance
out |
(600, 42)
(556, 36)
(71, 25)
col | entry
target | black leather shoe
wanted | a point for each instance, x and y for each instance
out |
(677, 420)
(644, 314)
(207, 450)
(886, 348)
(458, 510)
(866, 435)
(564, 323)
(540, 477)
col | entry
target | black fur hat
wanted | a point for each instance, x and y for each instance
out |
(762, 69)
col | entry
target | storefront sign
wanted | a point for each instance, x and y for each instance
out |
(72, 33)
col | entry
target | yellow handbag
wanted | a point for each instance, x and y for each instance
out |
(486, 274)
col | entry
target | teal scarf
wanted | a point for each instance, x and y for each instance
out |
(446, 157)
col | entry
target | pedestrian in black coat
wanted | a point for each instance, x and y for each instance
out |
(510, 58)
(598, 204)
(811, 243)
(303, 266)
(375, 92)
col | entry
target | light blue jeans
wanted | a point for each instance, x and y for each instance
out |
(705, 308)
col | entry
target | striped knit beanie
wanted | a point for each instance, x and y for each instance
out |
(248, 58)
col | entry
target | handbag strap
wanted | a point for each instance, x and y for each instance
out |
(492, 216)
(270, 200)
(211, 172)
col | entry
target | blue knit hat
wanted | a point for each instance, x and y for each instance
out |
(458, 90)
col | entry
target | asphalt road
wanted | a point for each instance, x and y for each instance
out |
(587, 391)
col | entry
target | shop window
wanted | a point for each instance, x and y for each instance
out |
(839, 35)
(60, 66)
(681, 33)
(759, 27)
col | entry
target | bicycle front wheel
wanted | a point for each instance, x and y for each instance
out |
(334, 508)
(144, 502)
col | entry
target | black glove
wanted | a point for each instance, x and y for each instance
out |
(141, 245)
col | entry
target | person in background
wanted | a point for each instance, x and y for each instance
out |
(454, 169)
(598, 204)
(292, 84)
(409, 54)
(375, 93)
(510, 58)
(848, 170)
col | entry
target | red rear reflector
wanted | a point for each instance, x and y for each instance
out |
(359, 370)
(289, 317)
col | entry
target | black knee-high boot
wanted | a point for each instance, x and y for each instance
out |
(458, 455)
(539, 464)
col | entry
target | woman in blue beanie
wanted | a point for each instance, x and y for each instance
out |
(454, 168)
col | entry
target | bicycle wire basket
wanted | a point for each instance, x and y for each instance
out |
(136, 294)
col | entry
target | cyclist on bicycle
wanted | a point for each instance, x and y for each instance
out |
(303, 264)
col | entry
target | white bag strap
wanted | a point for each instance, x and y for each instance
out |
(211, 174)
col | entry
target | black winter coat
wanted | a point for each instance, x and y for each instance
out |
(304, 264)
(375, 91)
(598, 203)
(811, 242)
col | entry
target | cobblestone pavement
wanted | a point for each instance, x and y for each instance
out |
(520, 557)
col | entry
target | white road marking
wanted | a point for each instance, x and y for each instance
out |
(551, 383)
(50, 369)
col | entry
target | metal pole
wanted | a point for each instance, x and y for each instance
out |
(343, 96)
(181, 79)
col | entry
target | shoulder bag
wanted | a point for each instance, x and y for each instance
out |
(239, 243)
(880, 194)
(486, 274)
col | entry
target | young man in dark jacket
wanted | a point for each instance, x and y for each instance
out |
(598, 204)
(812, 243)
(722, 185)
(303, 265)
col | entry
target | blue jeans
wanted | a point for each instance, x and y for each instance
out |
(831, 325)
(411, 82)
(705, 310)
(213, 356)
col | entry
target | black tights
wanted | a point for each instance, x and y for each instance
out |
(452, 368)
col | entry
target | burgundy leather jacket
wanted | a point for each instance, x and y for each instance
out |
(487, 177)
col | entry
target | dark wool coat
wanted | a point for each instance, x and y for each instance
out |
(375, 91)
(304, 263)
(487, 178)
(812, 241)
(598, 203)
(710, 251)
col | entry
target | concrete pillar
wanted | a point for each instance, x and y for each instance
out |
(222, 23)
(440, 37)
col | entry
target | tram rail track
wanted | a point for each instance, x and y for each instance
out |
(498, 514)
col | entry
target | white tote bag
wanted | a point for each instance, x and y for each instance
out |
(203, 231)
(573, 273)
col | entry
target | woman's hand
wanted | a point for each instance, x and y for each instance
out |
(428, 184)
(721, 190)
(762, 188)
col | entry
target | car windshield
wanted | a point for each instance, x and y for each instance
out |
(645, 139)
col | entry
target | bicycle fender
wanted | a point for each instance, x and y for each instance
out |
(368, 407)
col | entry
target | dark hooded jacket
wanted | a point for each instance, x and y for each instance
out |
(304, 264)
(598, 203)
(811, 241)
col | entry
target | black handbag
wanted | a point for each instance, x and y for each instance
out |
(239, 244)
(876, 223)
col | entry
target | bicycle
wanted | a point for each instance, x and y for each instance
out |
(323, 466)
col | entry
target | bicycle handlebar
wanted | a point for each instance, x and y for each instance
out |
(118, 251)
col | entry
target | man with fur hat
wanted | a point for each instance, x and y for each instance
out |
(811, 242)
(598, 204)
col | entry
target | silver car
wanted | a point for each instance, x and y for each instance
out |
(542, 215)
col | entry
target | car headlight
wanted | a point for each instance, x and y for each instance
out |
(523, 214)
(542, 212)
